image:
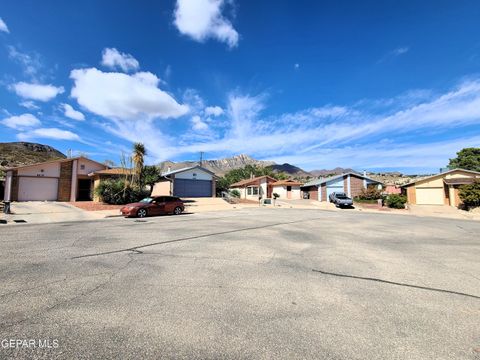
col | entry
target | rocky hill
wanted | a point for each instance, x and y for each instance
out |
(326, 172)
(220, 166)
(292, 170)
(26, 153)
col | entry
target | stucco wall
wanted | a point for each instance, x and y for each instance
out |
(89, 166)
(199, 175)
(49, 170)
(161, 188)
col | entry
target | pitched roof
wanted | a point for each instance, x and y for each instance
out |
(54, 161)
(186, 169)
(287, 183)
(460, 181)
(114, 171)
(252, 181)
(321, 181)
(441, 174)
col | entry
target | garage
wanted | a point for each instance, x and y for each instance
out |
(430, 196)
(37, 189)
(194, 181)
(192, 188)
(334, 186)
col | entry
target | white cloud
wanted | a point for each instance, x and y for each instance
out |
(3, 26)
(123, 97)
(49, 133)
(37, 91)
(394, 53)
(400, 50)
(21, 121)
(112, 58)
(203, 19)
(30, 63)
(198, 124)
(30, 105)
(70, 112)
(296, 66)
(213, 111)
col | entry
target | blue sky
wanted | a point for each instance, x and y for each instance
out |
(376, 85)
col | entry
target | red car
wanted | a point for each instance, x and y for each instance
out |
(157, 205)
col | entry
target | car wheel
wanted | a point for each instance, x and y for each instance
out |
(142, 213)
(177, 210)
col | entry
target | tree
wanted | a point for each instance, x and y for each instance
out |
(468, 159)
(138, 157)
(470, 194)
(150, 175)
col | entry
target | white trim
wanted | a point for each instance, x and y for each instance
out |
(349, 189)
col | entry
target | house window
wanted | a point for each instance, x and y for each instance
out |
(82, 166)
(249, 191)
(255, 190)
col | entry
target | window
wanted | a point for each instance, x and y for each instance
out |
(249, 191)
(255, 190)
(82, 166)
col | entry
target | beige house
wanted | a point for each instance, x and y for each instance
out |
(194, 181)
(57, 180)
(440, 189)
(255, 188)
(287, 189)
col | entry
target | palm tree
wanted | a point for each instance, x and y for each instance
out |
(138, 156)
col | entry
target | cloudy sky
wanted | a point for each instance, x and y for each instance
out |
(377, 85)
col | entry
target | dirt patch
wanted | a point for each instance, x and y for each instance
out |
(94, 206)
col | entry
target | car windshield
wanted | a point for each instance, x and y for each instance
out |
(147, 200)
(342, 196)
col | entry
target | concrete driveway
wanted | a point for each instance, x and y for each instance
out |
(255, 283)
(39, 212)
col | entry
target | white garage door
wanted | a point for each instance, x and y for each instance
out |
(37, 189)
(430, 196)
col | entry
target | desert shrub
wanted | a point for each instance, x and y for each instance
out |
(235, 193)
(118, 192)
(470, 194)
(370, 193)
(396, 201)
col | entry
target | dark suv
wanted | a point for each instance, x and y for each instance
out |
(340, 199)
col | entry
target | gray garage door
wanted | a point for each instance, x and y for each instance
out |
(192, 188)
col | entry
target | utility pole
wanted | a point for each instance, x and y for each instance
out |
(201, 158)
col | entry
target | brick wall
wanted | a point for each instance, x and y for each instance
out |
(65, 181)
(14, 191)
(324, 192)
(345, 184)
(356, 185)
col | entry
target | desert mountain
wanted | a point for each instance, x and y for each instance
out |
(326, 172)
(222, 166)
(26, 153)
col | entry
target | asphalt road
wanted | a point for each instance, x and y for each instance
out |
(253, 283)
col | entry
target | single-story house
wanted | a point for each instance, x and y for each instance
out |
(194, 181)
(255, 188)
(56, 180)
(287, 189)
(350, 183)
(440, 189)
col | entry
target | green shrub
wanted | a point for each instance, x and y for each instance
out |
(118, 192)
(235, 193)
(470, 194)
(396, 201)
(370, 193)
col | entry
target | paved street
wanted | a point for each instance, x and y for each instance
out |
(252, 283)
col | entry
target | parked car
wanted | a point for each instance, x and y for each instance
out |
(340, 199)
(157, 205)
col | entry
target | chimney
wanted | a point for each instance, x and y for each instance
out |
(169, 169)
(364, 173)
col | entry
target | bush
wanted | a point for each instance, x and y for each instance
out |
(470, 194)
(235, 193)
(396, 201)
(118, 192)
(370, 193)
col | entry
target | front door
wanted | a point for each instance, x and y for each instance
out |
(84, 190)
(289, 192)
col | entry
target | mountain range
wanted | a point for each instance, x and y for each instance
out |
(26, 153)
